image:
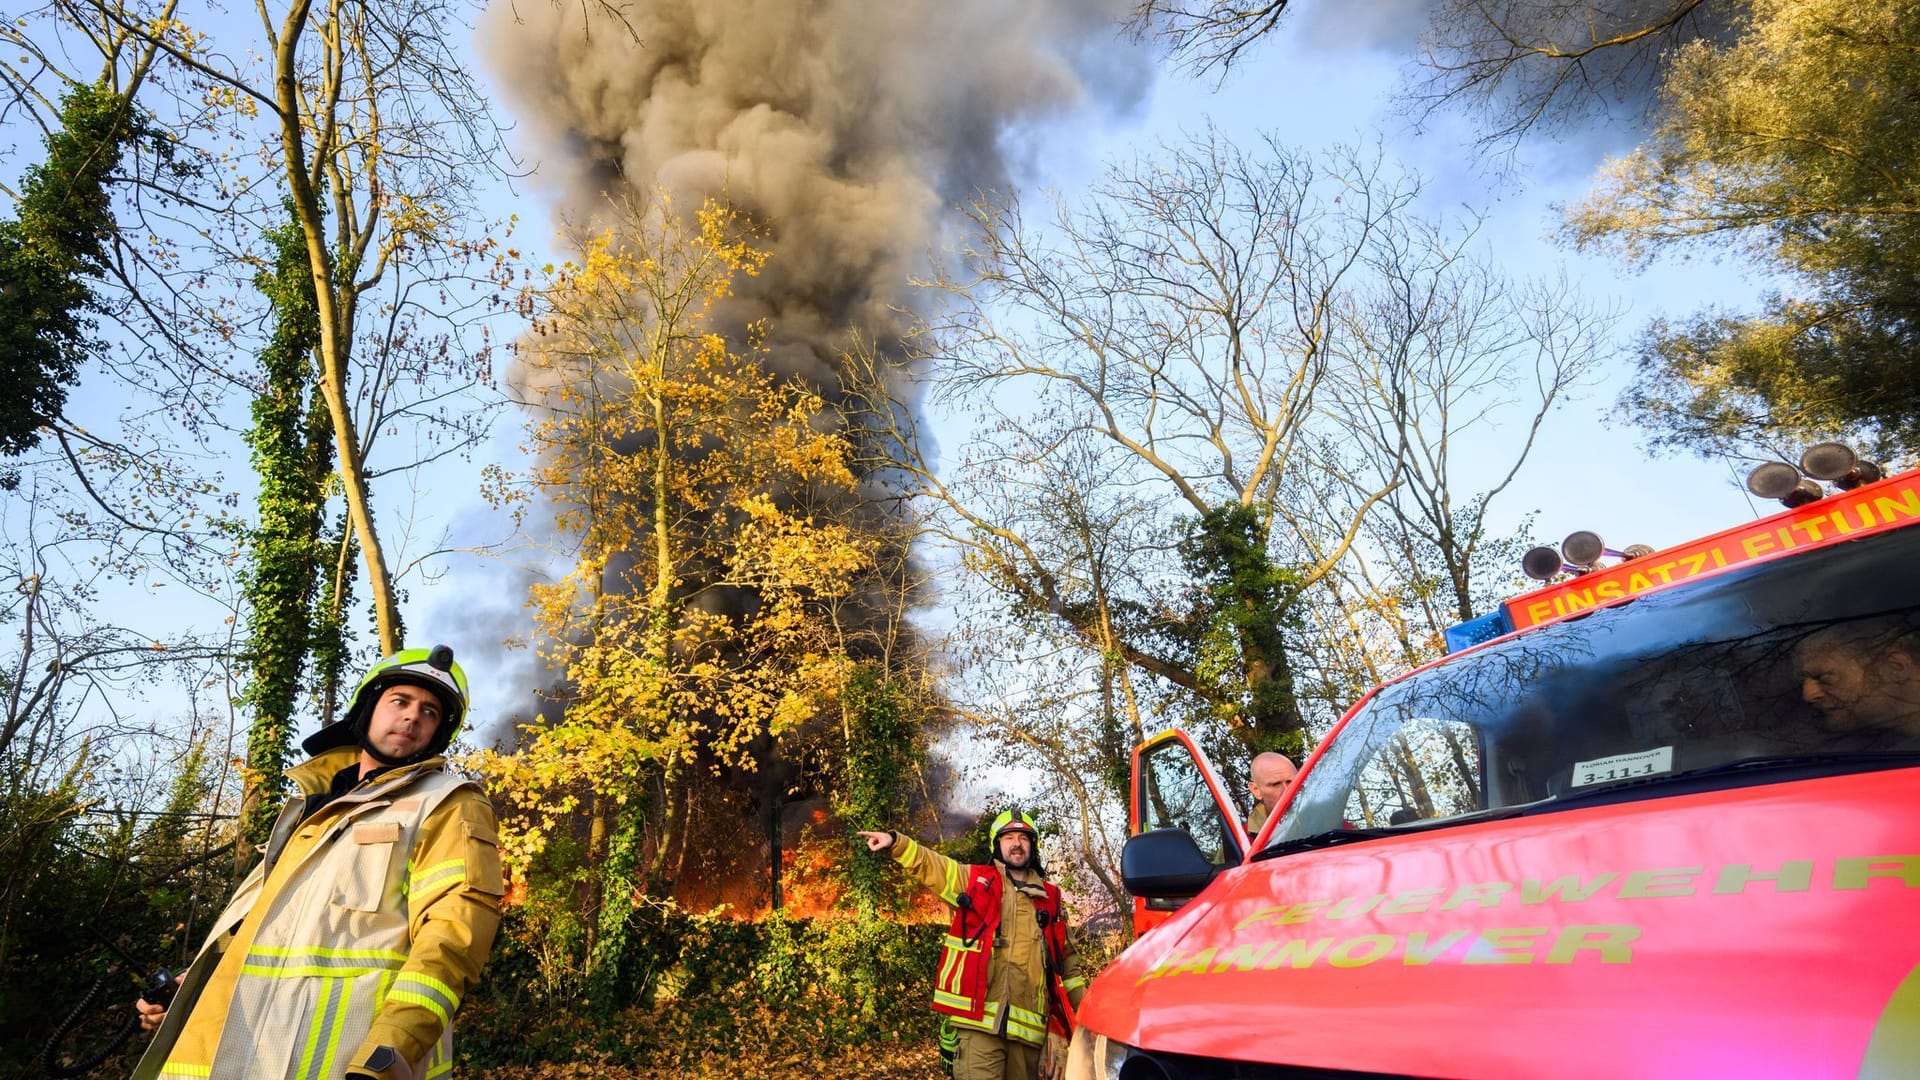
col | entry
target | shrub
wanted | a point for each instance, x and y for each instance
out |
(707, 986)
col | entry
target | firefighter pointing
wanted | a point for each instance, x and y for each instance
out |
(347, 948)
(1006, 972)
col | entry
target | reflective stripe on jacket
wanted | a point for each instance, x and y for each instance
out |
(363, 926)
(992, 971)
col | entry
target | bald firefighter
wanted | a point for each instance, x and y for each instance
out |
(1006, 970)
(346, 950)
(1268, 779)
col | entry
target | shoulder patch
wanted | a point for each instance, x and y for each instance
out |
(379, 832)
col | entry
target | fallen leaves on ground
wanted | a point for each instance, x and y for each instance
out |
(917, 1060)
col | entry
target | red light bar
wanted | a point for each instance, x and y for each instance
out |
(1872, 508)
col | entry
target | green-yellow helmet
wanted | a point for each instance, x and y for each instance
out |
(1015, 820)
(432, 668)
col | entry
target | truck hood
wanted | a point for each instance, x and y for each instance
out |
(1771, 930)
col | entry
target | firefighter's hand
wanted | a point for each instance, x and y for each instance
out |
(151, 1015)
(877, 841)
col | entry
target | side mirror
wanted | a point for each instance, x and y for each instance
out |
(1165, 864)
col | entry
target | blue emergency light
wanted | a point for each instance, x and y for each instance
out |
(1474, 631)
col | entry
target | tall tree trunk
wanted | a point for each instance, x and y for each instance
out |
(775, 789)
(291, 456)
(335, 302)
(329, 637)
(670, 845)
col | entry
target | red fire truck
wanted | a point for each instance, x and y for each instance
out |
(1664, 823)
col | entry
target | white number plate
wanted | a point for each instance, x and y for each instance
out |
(1622, 767)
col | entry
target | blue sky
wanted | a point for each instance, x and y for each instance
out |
(1588, 472)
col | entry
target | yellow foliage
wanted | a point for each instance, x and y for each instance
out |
(704, 510)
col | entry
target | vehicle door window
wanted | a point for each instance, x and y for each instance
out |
(1173, 793)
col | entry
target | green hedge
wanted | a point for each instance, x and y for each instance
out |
(706, 986)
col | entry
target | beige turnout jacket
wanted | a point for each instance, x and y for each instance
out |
(362, 927)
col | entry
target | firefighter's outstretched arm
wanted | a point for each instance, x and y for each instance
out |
(927, 867)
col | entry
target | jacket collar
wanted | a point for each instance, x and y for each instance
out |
(315, 775)
(1036, 878)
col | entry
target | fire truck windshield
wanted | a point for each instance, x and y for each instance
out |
(1810, 663)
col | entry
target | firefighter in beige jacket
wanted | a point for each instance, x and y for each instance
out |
(347, 949)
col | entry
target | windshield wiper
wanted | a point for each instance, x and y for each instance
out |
(1335, 837)
(1330, 838)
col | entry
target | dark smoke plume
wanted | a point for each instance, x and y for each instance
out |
(848, 127)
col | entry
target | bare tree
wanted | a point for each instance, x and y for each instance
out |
(376, 139)
(1522, 65)
(1179, 331)
(1471, 351)
(1216, 419)
(1208, 35)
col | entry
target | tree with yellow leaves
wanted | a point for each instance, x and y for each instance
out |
(700, 497)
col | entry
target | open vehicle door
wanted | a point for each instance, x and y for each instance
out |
(1174, 787)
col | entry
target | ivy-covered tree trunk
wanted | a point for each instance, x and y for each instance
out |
(881, 723)
(881, 727)
(59, 239)
(1119, 731)
(607, 959)
(292, 453)
(1243, 628)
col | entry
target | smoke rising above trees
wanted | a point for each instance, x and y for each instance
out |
(845, 133)
(847, 129)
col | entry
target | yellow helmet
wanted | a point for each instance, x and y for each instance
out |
(1014, 820)
(432, 668)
